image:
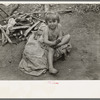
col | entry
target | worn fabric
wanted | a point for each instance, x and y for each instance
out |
(58, 51)
(34, 61)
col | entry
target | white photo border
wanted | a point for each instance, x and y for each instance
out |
(49, 89)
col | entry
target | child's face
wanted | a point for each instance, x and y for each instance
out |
(52, 24)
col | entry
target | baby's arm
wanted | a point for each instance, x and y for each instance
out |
(50, 43)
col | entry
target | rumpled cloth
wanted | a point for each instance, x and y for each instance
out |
(34, 60)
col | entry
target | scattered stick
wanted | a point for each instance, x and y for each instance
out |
(5, 42)
(21, 32)
(30, 28)
(59, 11)
(19, 27)
(14, 9)
(3, 39)
(9, 40)
(2, 16)
(46, 6)
(38, 19)
(4, 12)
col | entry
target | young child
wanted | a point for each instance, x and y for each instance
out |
(54, 39)
(45, 46)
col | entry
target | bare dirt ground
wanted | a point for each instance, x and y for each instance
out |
(83, 61)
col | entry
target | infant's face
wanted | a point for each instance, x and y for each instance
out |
(52, 24)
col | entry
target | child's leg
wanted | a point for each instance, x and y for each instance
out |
(50, 61)
(64, 40)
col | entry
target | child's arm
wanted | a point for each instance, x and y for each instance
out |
(60, 34)
(50, 43)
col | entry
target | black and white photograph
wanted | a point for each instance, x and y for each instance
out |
(49, 41)
(49, 49)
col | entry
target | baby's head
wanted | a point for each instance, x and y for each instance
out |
(52, 19)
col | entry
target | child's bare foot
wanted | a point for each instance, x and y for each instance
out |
(53, 71)
(28, 69)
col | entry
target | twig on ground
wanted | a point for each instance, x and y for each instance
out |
(30, 28)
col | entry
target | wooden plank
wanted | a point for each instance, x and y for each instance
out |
(3, 39)
(30, 28)
(59, 11)
(19, 27)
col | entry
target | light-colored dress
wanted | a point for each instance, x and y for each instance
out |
(34, 60)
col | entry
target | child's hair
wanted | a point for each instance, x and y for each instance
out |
(52, 16)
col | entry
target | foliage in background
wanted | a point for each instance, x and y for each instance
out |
(88, 8)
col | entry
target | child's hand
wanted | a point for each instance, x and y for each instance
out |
(54, 43)
(58, 41)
